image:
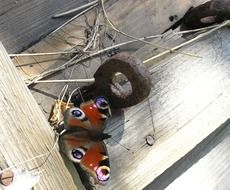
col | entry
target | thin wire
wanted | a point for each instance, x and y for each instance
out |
(128, 149)
(151, 113)
(34, 158)
(48, 155)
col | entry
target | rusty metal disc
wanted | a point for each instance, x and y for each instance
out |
(136, 73)
(119, 96)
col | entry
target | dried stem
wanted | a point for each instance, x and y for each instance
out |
(75, 9)
(71, 62)
(94, 35)
(42, 54)
(76, 59)
(132, 37)
(70, 20)
(114, 46)
(188, 42)
(91, 80)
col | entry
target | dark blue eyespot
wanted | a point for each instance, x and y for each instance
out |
(102, 103)
(78, 154)
(78, 113)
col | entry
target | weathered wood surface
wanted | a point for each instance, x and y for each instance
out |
(138, 18)
(212, 169)
(25, 132)
(25, 22)
(189, 100)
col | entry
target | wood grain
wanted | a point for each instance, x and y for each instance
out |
(25, 132)
(25, 22)
(212, 170)
(189, 99)
(138, 18)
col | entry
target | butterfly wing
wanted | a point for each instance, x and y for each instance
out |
(92, 156)
(75, 118)
(91, 115)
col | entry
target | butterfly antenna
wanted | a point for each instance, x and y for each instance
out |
(128, 149)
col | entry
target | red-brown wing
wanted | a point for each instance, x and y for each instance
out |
(92, 156)
(75, 118)
(91, 115)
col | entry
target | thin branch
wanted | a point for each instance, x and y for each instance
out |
(76, 58)
(75, 9)
(188, 42)
(32, 80)
(115, 46)
(94, 35)
(71, 61)
(72, 52)
(70, 20)
(91, 80)
(42, 54)
(196, 30)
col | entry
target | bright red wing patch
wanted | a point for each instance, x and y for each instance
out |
(93, 114)
(93, 156)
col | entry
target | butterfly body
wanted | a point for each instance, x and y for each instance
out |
(82, 139)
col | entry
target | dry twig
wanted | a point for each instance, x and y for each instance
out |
(76, 59)
(75, 9)
(188, 42)
(42, 54)
(114, 46)
(71, 62)
(70, 20)
(91, 80)
(132, 37)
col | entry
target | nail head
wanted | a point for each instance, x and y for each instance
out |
(150, 140)
(6, 177)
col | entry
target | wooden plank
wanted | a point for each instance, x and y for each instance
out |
(182, 100)
(25, 22)
(26, 134)
(71, 36)
(134, 23)
(202, 155)
(190, 100)
(211, 171)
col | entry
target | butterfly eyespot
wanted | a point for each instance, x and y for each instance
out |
(78, 113)
(102, 103)
(103, 174)
(78, 154)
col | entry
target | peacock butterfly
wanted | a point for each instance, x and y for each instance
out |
(82, 137)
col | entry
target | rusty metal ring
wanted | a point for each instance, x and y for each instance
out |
(137, 74)
(132, 68)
